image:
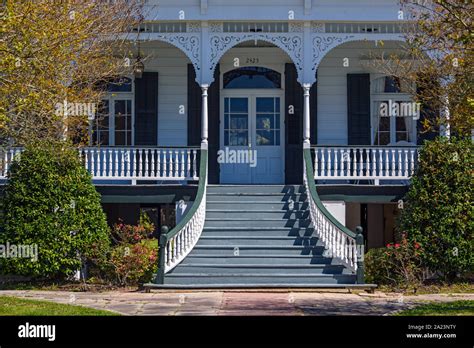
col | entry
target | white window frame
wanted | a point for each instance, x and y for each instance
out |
(375, 99)
(111, 97)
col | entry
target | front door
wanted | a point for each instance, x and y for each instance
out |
(251, 150)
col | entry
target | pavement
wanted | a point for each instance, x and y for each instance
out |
(240, 303)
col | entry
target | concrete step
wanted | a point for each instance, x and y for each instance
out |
(255, 197)
(254, 240)
(257, 214)
(219, 222)
(254, 205)
(261, 260)
(246, 250)
(258, 278)
(259, 232)
(290, 189)
(257, 268)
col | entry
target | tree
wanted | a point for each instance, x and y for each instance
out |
(437, 61)
(439, 209)
(50, 202)
(52, 52)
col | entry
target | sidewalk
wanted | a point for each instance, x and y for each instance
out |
(238, 303)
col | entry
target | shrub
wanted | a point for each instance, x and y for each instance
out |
(133, 256)
(50, 201)
(397, 265)
(439, 208)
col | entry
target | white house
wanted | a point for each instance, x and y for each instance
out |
(247, 114)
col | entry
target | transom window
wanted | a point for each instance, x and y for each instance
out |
(252, 77)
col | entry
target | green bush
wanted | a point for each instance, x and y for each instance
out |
(50, 201)
(398, 265)
(439, 207)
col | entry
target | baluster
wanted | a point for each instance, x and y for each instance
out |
(399, 162)
(103, 162)
(374, 164)
(109, 162)
(316, 163)
(140, 162)
(170, 174)
(188, 164)
(158, 164)
(146, 151)
(323, 164)
(194, 164)
(93, 163)
(165, 172)
(361, 163)
(380, 164)
(341, 173)
(182, 164)
(115, 151)
(336, 160)
(354, 162)
(393, 162)
(86, 159)
(329, 163)
(412, 161)
(406, 164)
(176, 164)
(153, 152)
(387, 163)
(122, 164)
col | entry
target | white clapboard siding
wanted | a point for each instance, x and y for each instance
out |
(332, 87)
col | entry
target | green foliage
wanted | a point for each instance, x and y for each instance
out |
(439, 209)
(133, 257)
(50, 201)
(398, 265)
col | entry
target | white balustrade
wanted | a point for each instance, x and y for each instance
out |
(6, 158)
(113, 163)
(364, 162)
(338, 240)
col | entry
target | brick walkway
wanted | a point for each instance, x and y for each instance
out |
(238, 302)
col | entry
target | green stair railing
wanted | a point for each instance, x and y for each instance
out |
(340, 242)
(176, 244)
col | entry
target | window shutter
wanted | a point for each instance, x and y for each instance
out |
(358, 109)
(146, 109)
(293, 127)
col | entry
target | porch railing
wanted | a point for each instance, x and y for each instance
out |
(339, 241)
(154, 163)
(132, 163)
(364, 162)
(176, 244)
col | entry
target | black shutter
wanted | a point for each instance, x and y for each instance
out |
(358, 109)
(146, 109)
(194, 108)
(293, 127)
(427, 112)
(194, 118)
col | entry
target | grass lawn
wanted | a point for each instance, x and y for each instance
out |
(441, 309)
(18, 306)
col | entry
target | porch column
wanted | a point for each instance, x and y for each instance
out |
(306, 115)
(204, 116)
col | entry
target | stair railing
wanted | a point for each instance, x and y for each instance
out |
(176, 244)
(341, 242)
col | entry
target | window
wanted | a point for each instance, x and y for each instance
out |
(236, 122)
(113, 124)
(391, 123)
(252, 77)
(268, 121)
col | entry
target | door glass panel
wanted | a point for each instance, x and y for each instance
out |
(236, 122)
(123, 122)
(267, 127)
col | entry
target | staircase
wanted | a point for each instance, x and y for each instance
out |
(258, 236)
